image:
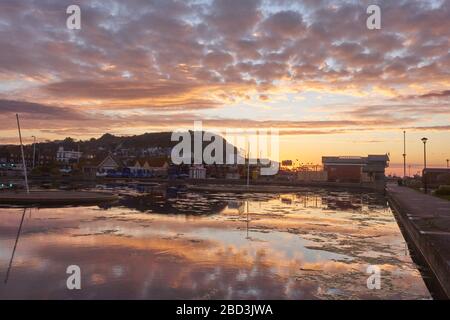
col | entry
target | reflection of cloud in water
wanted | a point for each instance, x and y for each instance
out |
(249, 246)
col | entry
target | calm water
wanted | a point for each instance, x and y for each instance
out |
(165, 245)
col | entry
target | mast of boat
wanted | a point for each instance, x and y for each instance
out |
(15, 246)
(23, 155)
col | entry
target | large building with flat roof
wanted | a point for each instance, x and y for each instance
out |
(436, 177)
(355, 169)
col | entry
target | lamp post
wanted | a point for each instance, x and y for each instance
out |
(34, 150)
(404, 154)
(447, 163)
(424, 140)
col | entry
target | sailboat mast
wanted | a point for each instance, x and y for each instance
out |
(23, 155)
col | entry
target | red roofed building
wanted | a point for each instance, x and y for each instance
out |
(355, 169)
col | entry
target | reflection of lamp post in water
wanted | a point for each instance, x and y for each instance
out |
(248, 163)
(424, 140)
(247, 222)
(34, 150)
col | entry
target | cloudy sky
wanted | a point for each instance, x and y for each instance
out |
(309, 68)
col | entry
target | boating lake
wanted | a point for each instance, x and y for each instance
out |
(314, 244)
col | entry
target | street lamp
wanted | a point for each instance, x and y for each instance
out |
(404, 154)
(424, 140)
(447, 163)
(34, 150)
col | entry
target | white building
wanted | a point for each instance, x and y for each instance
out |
(67, 156)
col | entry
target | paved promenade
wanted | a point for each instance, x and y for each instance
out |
(426, 220)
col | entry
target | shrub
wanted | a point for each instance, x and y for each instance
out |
(443, 191)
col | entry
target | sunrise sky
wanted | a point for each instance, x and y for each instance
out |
(310, 68)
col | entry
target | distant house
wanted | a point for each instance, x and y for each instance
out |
(158, 166)
(149, 166)
(110, 163)
(45, 159)
(355, 169)
(67, 156)
(89, 169)
(136, 168)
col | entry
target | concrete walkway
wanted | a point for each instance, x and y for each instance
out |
(426, 220)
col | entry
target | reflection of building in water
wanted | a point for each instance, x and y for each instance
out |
(353, 201)
(171, 202)
(286, 200)
(307, 200)
(238, 205)
(342, 204)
